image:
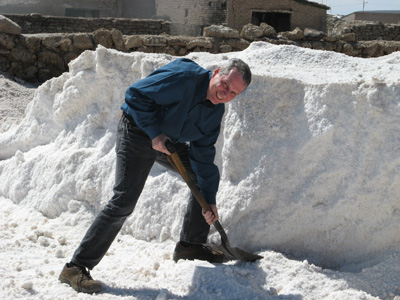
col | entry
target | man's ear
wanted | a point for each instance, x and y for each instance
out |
(215, 72)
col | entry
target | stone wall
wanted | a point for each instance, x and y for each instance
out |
(36, 58)
(35, 23)
(364, 30)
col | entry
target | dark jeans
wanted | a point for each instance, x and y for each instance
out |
(135, 157)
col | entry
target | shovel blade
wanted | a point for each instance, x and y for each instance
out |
(237, 253)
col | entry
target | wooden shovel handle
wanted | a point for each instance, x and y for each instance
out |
(175, 160)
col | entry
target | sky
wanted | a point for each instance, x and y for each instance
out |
(345, 7)
(310, 179)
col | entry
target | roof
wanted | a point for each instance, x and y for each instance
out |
(315, 4)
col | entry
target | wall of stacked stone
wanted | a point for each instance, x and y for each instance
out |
(364, 30)
(35, 23)
(376, 31)
(36, 58)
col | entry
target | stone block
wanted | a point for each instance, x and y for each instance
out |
(220, 31)
(82, 41)
(8, 26)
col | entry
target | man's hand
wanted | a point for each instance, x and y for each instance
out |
(209, 216)
(158, 143)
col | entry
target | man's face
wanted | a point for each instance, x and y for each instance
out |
(224, 87)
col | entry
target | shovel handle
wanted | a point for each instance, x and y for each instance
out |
(175, 160)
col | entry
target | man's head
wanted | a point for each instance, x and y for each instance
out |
(228, 81)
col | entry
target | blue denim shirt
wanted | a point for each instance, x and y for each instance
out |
(172, 100)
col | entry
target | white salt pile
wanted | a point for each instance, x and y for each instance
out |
(309, 157)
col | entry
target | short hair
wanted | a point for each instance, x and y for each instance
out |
(241, 66)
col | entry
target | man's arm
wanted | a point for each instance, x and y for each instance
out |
(202, 155)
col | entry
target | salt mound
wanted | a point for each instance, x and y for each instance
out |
(309, 154)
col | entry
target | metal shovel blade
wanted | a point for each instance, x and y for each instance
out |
(230, 252)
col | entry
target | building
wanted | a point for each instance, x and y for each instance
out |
(384, 16)
(283, 15)
(187, 16)
(81, 8)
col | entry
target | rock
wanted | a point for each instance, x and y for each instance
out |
(66, 45)
(199, 42)
(240, 44)
(306, 45)
(6, 41)
(145, 49)
(178, 40)
(349, 37)
(317, 45)
(4, 63)
(310, 33)
(118, 39)
(170, 50)
(30, 73)
(330, 46)
(51, 42)
(154, 40)
(82, 41)
(268, 30)
(348, 49)
(370, 48)
(69, 56)
(338, 46)
(44, 74)
(22, 55)
(225, 48)
(31, 42)
(251, 32)
(182, 52)
(9, 26)
(294, 35)
(220, 31)
(103, 37)
(332, 38)
(133, 41)
(47, 58)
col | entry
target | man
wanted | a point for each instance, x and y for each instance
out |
(181, 102)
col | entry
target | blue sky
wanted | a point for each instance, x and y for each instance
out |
(345, 7)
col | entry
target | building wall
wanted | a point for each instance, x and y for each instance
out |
(104, 8)
(190, 16)
(302, 14)
(374, 16)
(198, 12)
(139, 9)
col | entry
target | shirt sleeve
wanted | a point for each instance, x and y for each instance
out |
(202, 155)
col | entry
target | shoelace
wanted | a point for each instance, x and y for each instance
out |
(85, 275)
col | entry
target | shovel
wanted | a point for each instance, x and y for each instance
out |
(229, 252)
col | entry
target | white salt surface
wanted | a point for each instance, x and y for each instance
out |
(310, 161)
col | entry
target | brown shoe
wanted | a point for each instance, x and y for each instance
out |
(194, 251)
(79, 279)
